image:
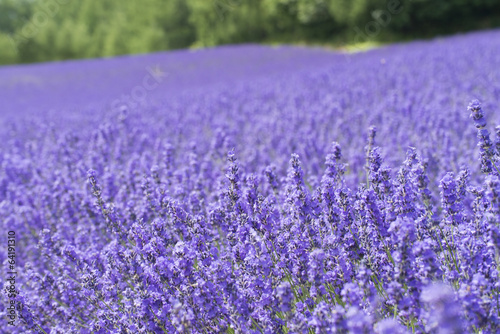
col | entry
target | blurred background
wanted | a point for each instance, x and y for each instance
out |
(48, 30)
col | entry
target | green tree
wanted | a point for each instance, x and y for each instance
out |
(41, 30)
(8, 49)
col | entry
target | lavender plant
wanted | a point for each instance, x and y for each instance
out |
(252, 201)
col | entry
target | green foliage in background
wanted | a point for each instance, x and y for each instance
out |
(44, 30)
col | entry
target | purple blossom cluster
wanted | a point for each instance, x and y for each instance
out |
(316, 193)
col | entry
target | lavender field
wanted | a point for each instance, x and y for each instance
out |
(254, 189)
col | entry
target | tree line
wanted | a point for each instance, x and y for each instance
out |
(45, 30)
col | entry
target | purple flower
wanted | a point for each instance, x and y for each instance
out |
(389, 326)
(170, 233)
(444, 314)
(285, 296)
(485, 144)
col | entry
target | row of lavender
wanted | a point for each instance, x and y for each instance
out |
(187, 215)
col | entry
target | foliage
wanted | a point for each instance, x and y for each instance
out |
(41, 30)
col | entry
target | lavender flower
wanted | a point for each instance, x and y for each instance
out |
(170, 233)
(444, 313)
(285, 296)
(485, 144)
